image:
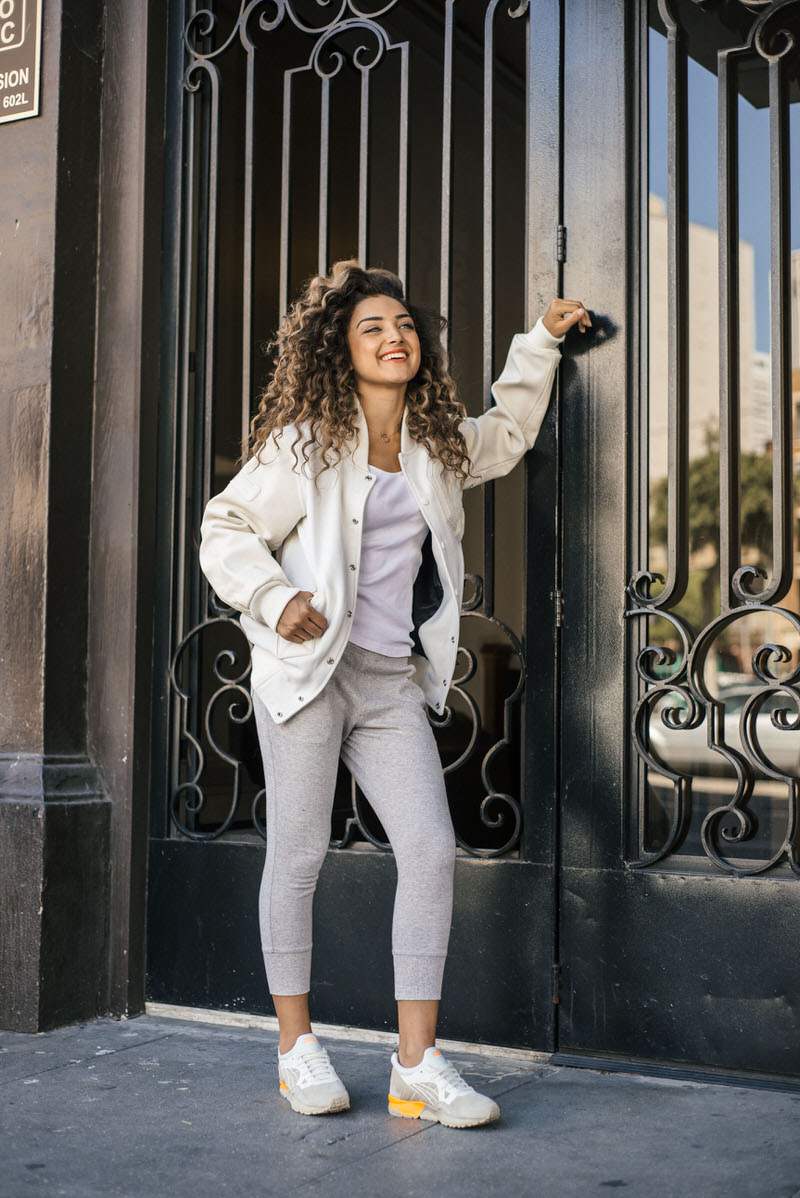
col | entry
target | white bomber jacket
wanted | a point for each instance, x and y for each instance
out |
(270, 534)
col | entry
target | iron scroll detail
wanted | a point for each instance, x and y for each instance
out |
(230, 702)
(732, 823)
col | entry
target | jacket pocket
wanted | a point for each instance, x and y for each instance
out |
(286, 648)
(264, 666)
(294, 648)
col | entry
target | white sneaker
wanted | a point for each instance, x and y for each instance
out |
(309, 1081)
(435, 1090)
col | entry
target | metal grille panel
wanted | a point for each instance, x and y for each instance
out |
(392, 132)
(716, 722)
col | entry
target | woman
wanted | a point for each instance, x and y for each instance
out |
(339, 543)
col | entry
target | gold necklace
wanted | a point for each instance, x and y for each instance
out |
(386, 436)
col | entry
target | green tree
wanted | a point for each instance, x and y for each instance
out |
(755, 471)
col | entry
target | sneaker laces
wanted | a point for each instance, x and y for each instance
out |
(448, 1073)
(316, 1065)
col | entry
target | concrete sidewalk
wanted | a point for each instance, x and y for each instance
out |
(156, 1106)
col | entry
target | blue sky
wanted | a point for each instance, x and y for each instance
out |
(754, 225)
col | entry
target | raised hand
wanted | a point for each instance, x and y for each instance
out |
(563, 314)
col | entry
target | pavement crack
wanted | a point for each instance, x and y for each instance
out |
(417, 1131)
(102, 1057)
(518, 1086)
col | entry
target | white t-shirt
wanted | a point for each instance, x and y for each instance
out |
(391, 551)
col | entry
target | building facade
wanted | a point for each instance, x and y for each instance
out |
(622, 745)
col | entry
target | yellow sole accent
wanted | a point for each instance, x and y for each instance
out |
(406, 1106)
(284, 1086)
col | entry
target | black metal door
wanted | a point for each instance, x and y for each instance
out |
(680, 899)
(426, 138)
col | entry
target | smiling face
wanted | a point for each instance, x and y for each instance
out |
(384, 346)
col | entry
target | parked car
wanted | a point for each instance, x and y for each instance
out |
(687, 752)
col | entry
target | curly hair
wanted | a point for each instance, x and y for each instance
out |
(313, 384)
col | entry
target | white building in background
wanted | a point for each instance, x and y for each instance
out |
(794, 287)
(762, 379)
(703, 318)
(756, 424)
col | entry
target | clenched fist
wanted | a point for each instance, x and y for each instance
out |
(299, 620)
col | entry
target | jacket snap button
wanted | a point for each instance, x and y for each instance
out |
(452, 640)
(369, 478)
(349, 613)
(354, 520)
(330, 661)
(280, 713)
(352, 567)
(299, 698)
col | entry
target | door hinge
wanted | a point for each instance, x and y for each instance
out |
(558, 600)
(561, 243)
(556, 985)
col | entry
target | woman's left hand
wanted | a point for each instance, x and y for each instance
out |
(563, 314)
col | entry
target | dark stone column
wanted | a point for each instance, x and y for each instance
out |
(54, 814)
(123, 527)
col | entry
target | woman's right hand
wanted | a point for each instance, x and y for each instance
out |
(299, 620)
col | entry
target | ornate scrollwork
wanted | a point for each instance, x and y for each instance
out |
(717, 838)
(729, 824)
(268, 15)
(359, 52)
(641, 585)
(675, 717)
(475, 600)
(362, 11)
(231, 701)
(497, 807)
(652, 655)
(259, 9)
(188, 798)
(769, 30)
(681, 785)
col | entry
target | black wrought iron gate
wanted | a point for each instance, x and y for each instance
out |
(623, 784)
(681, 642)
(423, 137)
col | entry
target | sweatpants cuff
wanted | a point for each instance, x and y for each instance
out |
(418, 976)
(288, 973)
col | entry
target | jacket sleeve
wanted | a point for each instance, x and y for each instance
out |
(498, 438)
(243, 525)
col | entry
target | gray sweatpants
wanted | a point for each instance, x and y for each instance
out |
(372, 714)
